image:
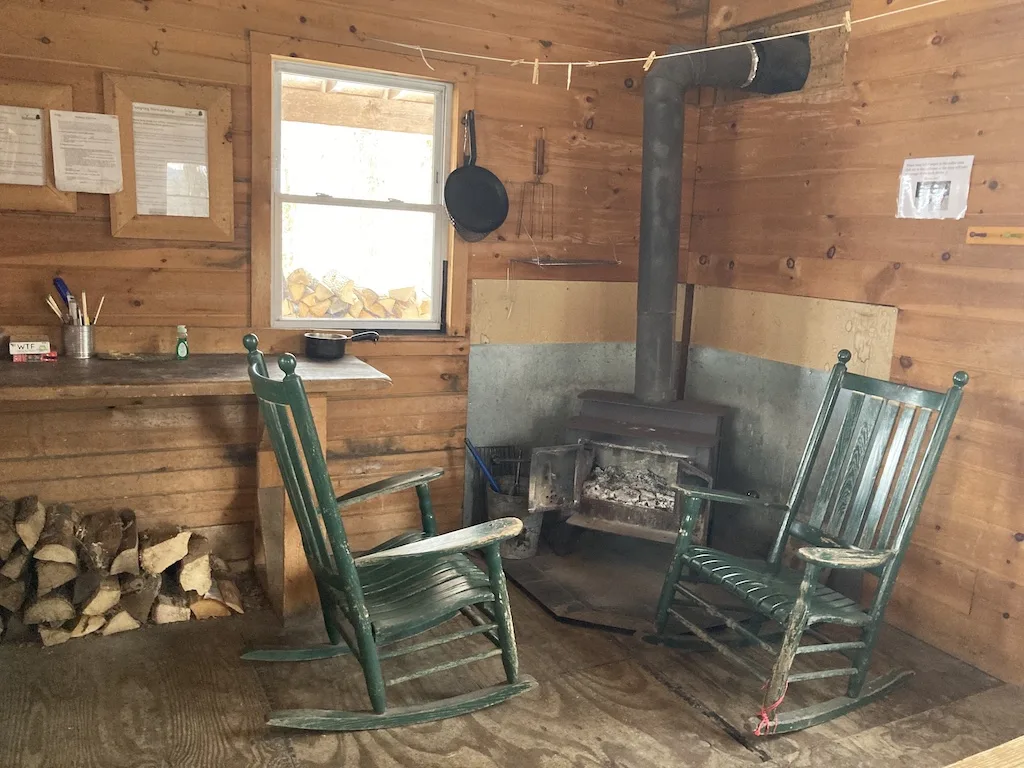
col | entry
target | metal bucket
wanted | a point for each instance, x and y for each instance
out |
(501, 505)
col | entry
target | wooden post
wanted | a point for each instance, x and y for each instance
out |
(281, 561)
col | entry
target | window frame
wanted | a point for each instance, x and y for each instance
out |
(444, 100)
(264, 47)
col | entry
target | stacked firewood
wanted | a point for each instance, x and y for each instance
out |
(339, 298)
(70, 575)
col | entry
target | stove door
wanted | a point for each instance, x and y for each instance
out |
(553, 477)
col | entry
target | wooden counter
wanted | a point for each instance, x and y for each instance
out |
(198, 375)
(278, 546)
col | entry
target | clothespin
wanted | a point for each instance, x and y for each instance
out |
(592, 63)
(649, 61)
(536, 71)
(847, 23)
(568, 77)
(517, 62)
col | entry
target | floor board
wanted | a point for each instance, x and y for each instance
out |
(179, 695)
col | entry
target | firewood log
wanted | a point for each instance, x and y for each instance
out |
(12, 593)
(16, 631)
(119, 620)
(195, 573)
(224, 588)
(54, 635)
(15, 565)
(30, 520)
(105, 597)
(171, 604)
(160, 551)
(229, 594)
(101, 538)
(86, 585)
(208, 607)
(138, 594)
(87, 625)
(169, 609)
(127, 558)
(50, 575)
(8, 530)
(53, 608)
(58, 543)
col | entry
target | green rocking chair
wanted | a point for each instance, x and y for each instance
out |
(402, 588)
(868, 500)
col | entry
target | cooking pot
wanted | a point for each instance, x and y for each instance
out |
(326, 345)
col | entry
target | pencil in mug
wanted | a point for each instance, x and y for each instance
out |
(53, 306)
(96, 317)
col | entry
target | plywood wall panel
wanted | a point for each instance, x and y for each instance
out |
(796, 195)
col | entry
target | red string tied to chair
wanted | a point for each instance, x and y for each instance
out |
(767, 724)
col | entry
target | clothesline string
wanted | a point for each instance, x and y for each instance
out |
(845, 24)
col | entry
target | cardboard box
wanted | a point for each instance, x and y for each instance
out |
(47, 357)
(29, 347)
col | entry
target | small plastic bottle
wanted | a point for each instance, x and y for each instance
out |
(181, 348)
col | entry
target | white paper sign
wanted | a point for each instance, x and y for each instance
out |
(86, 152)
(21, 146)
(171, 167)
(934, 187)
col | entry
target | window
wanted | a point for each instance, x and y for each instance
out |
(360, 233)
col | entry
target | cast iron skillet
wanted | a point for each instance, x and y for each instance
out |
(324, 345)
(476, 199)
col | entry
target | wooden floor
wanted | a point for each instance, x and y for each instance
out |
(179, 695)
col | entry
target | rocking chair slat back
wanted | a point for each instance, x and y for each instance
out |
(879, 443)
(289, 423)
(839, 507)
(836, 462)
(893, 456)
(874, 479)
(899, 494)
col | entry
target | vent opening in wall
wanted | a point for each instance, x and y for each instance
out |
(828, 49)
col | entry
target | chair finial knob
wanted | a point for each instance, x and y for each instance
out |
(287, 363)
(844, 356)
(251, 342)
(960, 378)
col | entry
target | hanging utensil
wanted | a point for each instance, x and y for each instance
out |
(537, 199)
(476, 199)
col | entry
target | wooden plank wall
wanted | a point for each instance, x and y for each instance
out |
(192, 462)
(796, 194)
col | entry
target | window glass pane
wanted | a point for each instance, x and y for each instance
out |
(356, 141)
(356, 263)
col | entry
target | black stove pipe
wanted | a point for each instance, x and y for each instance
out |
(777, 66)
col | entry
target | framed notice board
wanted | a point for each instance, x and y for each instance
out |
(176, 158)
(37, 197)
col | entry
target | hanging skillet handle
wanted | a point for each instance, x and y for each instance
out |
(471, 132)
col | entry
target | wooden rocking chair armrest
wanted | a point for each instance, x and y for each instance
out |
(727, 497)
(463, 540)
(390, 485)
(843, 558)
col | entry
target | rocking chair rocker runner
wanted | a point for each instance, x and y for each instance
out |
(406, 586)
(868, 500)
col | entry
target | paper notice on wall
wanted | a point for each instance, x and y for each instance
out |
(934, 187)
(21, 146)
(86, 152)
(171, 168)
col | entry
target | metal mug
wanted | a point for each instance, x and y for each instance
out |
(78, 341)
